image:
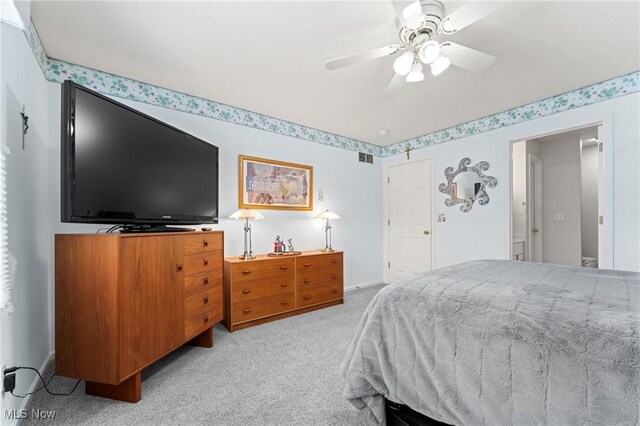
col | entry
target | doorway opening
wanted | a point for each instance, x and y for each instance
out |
(557, 184)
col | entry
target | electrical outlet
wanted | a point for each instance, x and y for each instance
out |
(558, 217)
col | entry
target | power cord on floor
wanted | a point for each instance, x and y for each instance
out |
(44, 383)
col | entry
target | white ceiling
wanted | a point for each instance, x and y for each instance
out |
(269, 57)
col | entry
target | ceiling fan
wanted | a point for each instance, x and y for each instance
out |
(419, 22)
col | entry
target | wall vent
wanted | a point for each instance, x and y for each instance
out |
(363, 157)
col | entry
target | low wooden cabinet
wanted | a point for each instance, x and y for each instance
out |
(268, 288)
(125, 300)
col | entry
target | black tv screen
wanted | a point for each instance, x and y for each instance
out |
(121, 166)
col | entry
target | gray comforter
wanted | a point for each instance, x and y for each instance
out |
(500, 342)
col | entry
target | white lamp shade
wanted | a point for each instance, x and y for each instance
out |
(441, 64)
(416, 73)
(402, 64)
(246, 214)
(429, 52)
(327, 214)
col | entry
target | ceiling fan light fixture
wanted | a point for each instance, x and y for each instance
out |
(439, 65)
(429, 52)
(416, 73)
(402, 64)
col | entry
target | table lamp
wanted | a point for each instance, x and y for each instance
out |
(327, 215)
(247, 214)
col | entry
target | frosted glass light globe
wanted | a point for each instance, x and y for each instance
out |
(402, 64)
(441, 64)
(416, 73)
(429, 52)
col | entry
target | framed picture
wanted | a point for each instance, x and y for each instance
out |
(271, 184)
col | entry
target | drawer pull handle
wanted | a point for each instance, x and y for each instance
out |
(205, 243)
(206, 319)
(284, 285)
(246, 291)
(306, 281)
(333, 261)
(205, 280)
(205, 261)
(284, 267)
(307, 264)
(307, 297)
(205, 300)
(246, 272)
(179, 267)
(284, 303)
(334, 276)
(246, 311)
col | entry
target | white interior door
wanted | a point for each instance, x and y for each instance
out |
(410, 219)
(534, 212)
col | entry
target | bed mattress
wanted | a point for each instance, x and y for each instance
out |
(501, 342)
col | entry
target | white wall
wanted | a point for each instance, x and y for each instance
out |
(561, 187)
(25, 334)
(485, 232)
(351, 189)
(589, 212)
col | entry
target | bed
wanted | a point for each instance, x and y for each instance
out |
(501, 342)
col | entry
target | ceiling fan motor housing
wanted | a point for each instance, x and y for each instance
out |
(432, 14)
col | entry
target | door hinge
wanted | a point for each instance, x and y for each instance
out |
(601, 220)
(388, 264)
(600, 147)
(388, 179)
(389, 222)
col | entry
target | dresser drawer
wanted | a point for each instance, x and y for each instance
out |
(202, 262)
(200, 282)
(330, 262)
(202, 301)
(257, 308)
(320, 278)
(313, 296)
(254, 270)
(202, 243)
(200, 322)
(262, 288)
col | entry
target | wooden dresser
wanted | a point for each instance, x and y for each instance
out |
(125, 300)
(268, 288)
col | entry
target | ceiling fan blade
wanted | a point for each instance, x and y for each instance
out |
(399, 7)
(466, 57)
(395, 85)
(362, 56)
(468, 14)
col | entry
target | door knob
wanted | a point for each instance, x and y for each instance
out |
(426, 232)
(535, 230)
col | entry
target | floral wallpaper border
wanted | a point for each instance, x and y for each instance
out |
(603, 91)
(57, 71)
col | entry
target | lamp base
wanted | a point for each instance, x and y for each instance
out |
(328, 249)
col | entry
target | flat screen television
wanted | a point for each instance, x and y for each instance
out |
(120, 166)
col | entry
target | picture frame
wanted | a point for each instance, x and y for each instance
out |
(271, 184)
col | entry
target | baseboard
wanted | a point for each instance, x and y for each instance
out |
(363, 285)
(34, 384)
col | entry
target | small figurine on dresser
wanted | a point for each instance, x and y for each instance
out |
(289, 246)
(278, 245)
